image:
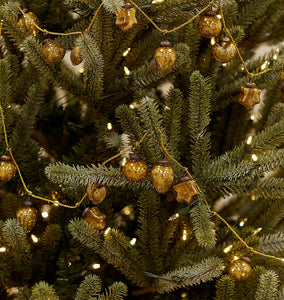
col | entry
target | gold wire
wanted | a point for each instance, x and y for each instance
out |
(238, 51)
(212, 211)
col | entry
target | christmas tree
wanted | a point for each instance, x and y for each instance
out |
(152, 166)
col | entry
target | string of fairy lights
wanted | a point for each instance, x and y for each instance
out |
(31, 21)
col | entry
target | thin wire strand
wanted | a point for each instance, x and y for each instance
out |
(238, 51)
(29, 192)
(93, 19)
(212, 211)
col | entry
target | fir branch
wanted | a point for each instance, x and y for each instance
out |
(272, 243)
(204, 271)
(276, 115)
(202, 226)
(199, 111)
(89, 288)
(113, 5)
(116, 291)
(226, 288)
(149, 230)
(114, 140)
(267, 286)
(43, 291)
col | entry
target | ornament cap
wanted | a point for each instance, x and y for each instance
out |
(135, 157)
(85, 212)
(25, 10)
(163, 162)
(250, 85)
(210, 13)
(224, 39)
(47, 39)
(127, 5)
(246, 259)
(165, 43)
(183, 179)
(28, 203)
(6, 158)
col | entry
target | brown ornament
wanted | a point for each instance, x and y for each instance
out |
(209, 25)
(249, 95)
(95, 218)
(223, 50)
(125, 18)
(186, 190)
(96, 193)
(162, 175)
(7, 168)
(165, 57)
(52, 51)
(28, 20)
(27, 216)
(240, 269)
(135, 170)
(75, 56)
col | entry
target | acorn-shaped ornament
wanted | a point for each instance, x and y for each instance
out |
(186, 189)
(223, 50)
(125, 17)
(95, 218)
(249, 95)
(7, 168)
(52, 51)
(75, 56)
(209, 25)
(28, 20)
(135, 169)
(162, 175)
(240, 269)
(165, 57)
(96, 192)
(27, 216)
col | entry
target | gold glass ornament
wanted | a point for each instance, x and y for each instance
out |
(209, 25)
(7, 168)
(249, 95)
(223, 50)
(96, 193)
(52, 51)
(162, 175)
(27, 216)
(165, 57)
(186, 190)
(125, 18)
(135, 169)
(240, 269)
(75, 56)
(95, 218)
(27, 21)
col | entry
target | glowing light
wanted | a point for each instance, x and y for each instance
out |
(219, 17)
(184, 235)
(242, 68)
(224, 65)
(264, 65)
(126, 71)
(131, 106)
(123, 161)
(249, 140)
(236, 258)
(69, 264)
(126, 52)
(228, 249)
(254, 157)
(183, 295)
(242, 222)
(253, 197)
(81, 70)
(168, 108)
(252, 117)
(56, 203)
(174, 217)
(257, 231)
(3, 249)
(96, 266)
(282, 259)
(275, 56)
(109, 126)
(44, 214)
(157, 1)
(133, 242)
(126, 210)
(107, 230)
(212, 41)
(34, 238)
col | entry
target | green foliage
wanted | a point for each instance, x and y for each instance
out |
(225, 288)
(202, 227)
(113, 5)
(89, 288)
(43, 291)
(272, 243)
(268, 286)
(116, 291)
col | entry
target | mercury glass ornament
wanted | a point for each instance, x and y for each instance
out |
(96, 192)
(135, 169)
(52, 51)
(249, 95)
(95, 218)
(240, 269)
(75, 56)
(125, 17)
(223, 50)
(7, 168)
(162, 175)
(186, 189)
(209, 25)
(28, 20)
(165, 57)
(27, 216)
